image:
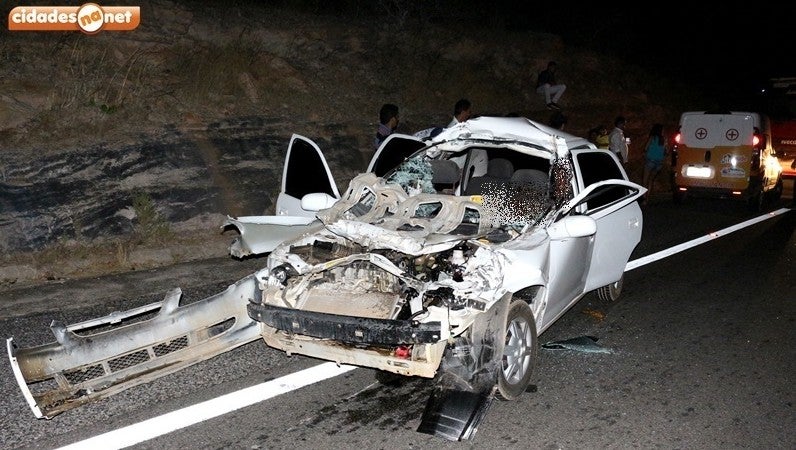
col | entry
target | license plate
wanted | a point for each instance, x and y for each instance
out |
(698, 172)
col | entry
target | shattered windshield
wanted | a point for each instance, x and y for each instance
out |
(414, 175)
(509, 199)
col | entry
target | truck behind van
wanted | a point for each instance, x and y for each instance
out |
(726, 154)
(783, 132)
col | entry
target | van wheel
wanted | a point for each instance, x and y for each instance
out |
(519, 351)
(610, 293)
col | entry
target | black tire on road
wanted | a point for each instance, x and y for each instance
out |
(611, 292)
(519, 351)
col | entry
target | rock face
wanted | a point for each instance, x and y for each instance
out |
(231, 168)
(191, 113)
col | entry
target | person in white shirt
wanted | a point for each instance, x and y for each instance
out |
(461, 112)
(616, 140)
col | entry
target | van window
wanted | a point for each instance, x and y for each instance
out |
(717, 130)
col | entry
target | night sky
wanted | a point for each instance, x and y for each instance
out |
(732, 48)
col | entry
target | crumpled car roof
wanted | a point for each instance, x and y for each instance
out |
(511, 129)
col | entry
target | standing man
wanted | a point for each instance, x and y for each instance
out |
(546, 84)
(462, 111)
(388, 122)
(616, 140)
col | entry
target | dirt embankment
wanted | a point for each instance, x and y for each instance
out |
(219, 90)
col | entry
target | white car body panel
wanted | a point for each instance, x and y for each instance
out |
(261, 234)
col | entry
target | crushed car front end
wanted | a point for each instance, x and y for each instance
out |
(383, 309)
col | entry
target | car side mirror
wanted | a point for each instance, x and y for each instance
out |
(572, 227)
(317, 201)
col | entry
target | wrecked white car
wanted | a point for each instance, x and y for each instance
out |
(445, 260)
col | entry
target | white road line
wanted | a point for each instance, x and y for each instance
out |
(175, 420)
(701, 240)
(191, 415)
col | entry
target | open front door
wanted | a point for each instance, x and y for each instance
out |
(305, 172)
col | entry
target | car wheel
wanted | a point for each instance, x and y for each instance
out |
(519, 351)
(611, 292)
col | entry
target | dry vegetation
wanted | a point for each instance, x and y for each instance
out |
(62, 91)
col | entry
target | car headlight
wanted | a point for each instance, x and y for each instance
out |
(282, 273)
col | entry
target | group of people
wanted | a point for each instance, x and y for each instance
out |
(547, 85)
(388, 120)
(615, 140)
(655, 148)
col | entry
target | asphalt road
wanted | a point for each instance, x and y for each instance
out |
(701, 344)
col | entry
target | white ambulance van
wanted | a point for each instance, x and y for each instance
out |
(725, 154)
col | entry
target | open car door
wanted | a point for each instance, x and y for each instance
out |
(611, 200)
(305, 172)
(307, 187)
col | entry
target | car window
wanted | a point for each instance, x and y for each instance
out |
(395, 150)
(596, 167)
(414, 175)
(305, 160)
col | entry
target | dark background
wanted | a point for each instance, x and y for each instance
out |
(728, 49)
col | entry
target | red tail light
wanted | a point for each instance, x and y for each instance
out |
(403, 352)
(678, 137)
(756, 140)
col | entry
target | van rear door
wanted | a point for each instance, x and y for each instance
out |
(715, 150)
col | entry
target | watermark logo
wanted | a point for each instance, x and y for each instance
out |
(90, 18)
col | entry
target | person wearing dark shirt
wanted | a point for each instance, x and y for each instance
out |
(547, 85)
(388, 122)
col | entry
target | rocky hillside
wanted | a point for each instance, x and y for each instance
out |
(125, 150)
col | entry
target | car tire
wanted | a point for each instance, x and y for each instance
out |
(519, 351)
(611, 292)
